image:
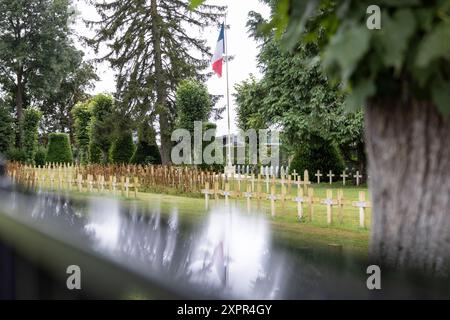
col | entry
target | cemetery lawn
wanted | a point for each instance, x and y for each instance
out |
(285, 225)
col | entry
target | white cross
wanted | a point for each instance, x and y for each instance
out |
(343, 176)
(357, 176)
(330, 175)
(318, 175)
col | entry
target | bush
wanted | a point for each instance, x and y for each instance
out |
(82, 115)
(317, 154)
(39, 157)
(30, 133)
(15, 154)
(59, 150)
(146, 153)
(101, 128)
(123, 148)
(6, 130)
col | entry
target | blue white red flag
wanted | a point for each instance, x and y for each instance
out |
(217, 59)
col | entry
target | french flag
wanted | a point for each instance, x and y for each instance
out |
(217, 59)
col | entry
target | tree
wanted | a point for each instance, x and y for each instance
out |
(59, 149)
(6, 129)
(123, 148)
(31, 120)
(82, 115)
(57, 106)
(249, 97)
(101, 128)
(147, 151)
(401, 75)
(317, 154)
(152, 53)
(34, 44)
(193, 104)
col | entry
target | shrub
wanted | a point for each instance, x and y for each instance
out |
(6, 130)
(317, 154)
(146, 153)
(30, 127)
(101, 128)
(82, 115)
(15, 154)
(39, 157)
(59, 149)
(123, 148)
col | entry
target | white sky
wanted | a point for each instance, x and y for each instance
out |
(240, 45)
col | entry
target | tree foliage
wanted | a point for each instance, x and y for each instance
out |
(152, 52)
(82, 115)
(193, 104)
(101, 128)
(6, 129)
(122, 148)
(32, 117)
(147, 151)
(35, 49)
(59, 149)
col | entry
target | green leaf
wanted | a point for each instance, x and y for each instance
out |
(395, 36)
(358, 96)
(440, 93)
(346, 49)
(195, 3)
(435, 45)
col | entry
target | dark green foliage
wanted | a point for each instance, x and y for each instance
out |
(101, 128)
(153, 53)
(59, 149)
(30, 133)
(123, 148)
(147, 151)
(6, 129)
(95, 154)
(82, 115)
(317, 154)
(36, 52)
(15, 154)
(40, 156)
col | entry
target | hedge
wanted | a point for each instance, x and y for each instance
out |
(59, 149)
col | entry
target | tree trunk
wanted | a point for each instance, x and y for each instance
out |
(161, 90)
(408, 149)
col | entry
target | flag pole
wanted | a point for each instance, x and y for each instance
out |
(229, 165)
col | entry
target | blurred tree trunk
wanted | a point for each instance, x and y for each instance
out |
(408, 149)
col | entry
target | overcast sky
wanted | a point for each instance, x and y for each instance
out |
(240, 45)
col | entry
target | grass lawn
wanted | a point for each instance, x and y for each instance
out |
(287, 229)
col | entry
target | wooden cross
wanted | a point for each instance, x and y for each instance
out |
(272, 197)
(344, 176)
(329, 202)
(227, 193)
(136, 186)
(80, 182)
(318, 175)
(357, 176)
(310, 203)
(248, 195)
(127, 187)
(300, 200)
(362, 204)
(207, 192)
(294, 174)
(340, 203)
(330, 175)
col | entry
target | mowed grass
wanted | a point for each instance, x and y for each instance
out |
(286, 227)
